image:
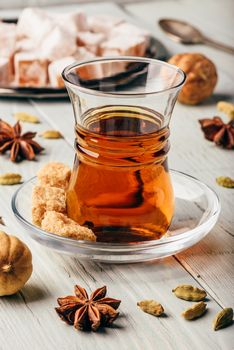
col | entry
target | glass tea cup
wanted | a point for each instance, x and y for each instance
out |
(120, 185)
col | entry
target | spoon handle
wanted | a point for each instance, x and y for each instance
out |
(218, 45)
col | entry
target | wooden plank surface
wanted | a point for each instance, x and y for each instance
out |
(27, 320)
(212, 258)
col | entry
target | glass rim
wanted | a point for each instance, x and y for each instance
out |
(89, 91)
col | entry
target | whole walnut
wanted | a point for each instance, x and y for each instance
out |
(201, 77)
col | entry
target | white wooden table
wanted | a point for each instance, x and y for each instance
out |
(28, 319)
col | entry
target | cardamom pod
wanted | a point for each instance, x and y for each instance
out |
(51, 134)
(194, 311)
(225, 181)
(26, 117)
(189, 293)
(227, 108)
(10, 179)
(223, 319)
(151, 307)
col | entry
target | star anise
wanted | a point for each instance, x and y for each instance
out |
(88, 313)
(219, 132)
(21, 146)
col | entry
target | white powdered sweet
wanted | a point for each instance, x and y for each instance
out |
(90, 40)
(103, 23)
(7, 39)
(124, 45)
(92, 71)
(55, 69)
(129, 30)
(35, 24)
(25, 45)
(73, 22)
(30, 69)
(5, 71)
(58, 43)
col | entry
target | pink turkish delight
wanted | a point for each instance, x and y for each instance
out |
(55, 69)
(58, 43)
(30, 69)
(6, 75)
(103, 23)
(91, 41)
(7, 39)
(124, 45)
(73, 22)
(129, 30)
(91, 71)
(35, 24)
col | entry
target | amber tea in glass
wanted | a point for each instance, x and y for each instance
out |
(120, 185)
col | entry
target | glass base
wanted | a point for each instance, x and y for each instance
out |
(196, 211)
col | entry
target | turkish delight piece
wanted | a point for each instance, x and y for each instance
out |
(6, 75)
(34, 23)
(54, 174)
(45, 198)
(90, 40)
(57, 44)
(61, 225)
(103, 23)
(55, 69)
(73, 22)
(7, 39)
(30, 69)
(82, 54)
(25, 45)
(129, 30)
(88, 71)
(124, 45)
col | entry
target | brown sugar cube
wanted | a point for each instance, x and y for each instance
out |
(54, 174)
(61, 225)
(47, 198)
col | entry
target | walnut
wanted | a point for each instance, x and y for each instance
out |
(201, 77)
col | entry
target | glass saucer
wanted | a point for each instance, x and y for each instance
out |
(197, 209)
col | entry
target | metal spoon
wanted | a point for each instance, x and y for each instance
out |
(185, 33)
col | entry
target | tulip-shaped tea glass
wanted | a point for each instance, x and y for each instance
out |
(120, 185)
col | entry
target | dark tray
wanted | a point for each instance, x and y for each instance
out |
(155, 50)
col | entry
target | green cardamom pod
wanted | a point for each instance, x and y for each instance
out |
(189, 293)
(151, 307)
(225, 181)
(10, 179)
(223, 318)
(194, 311)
